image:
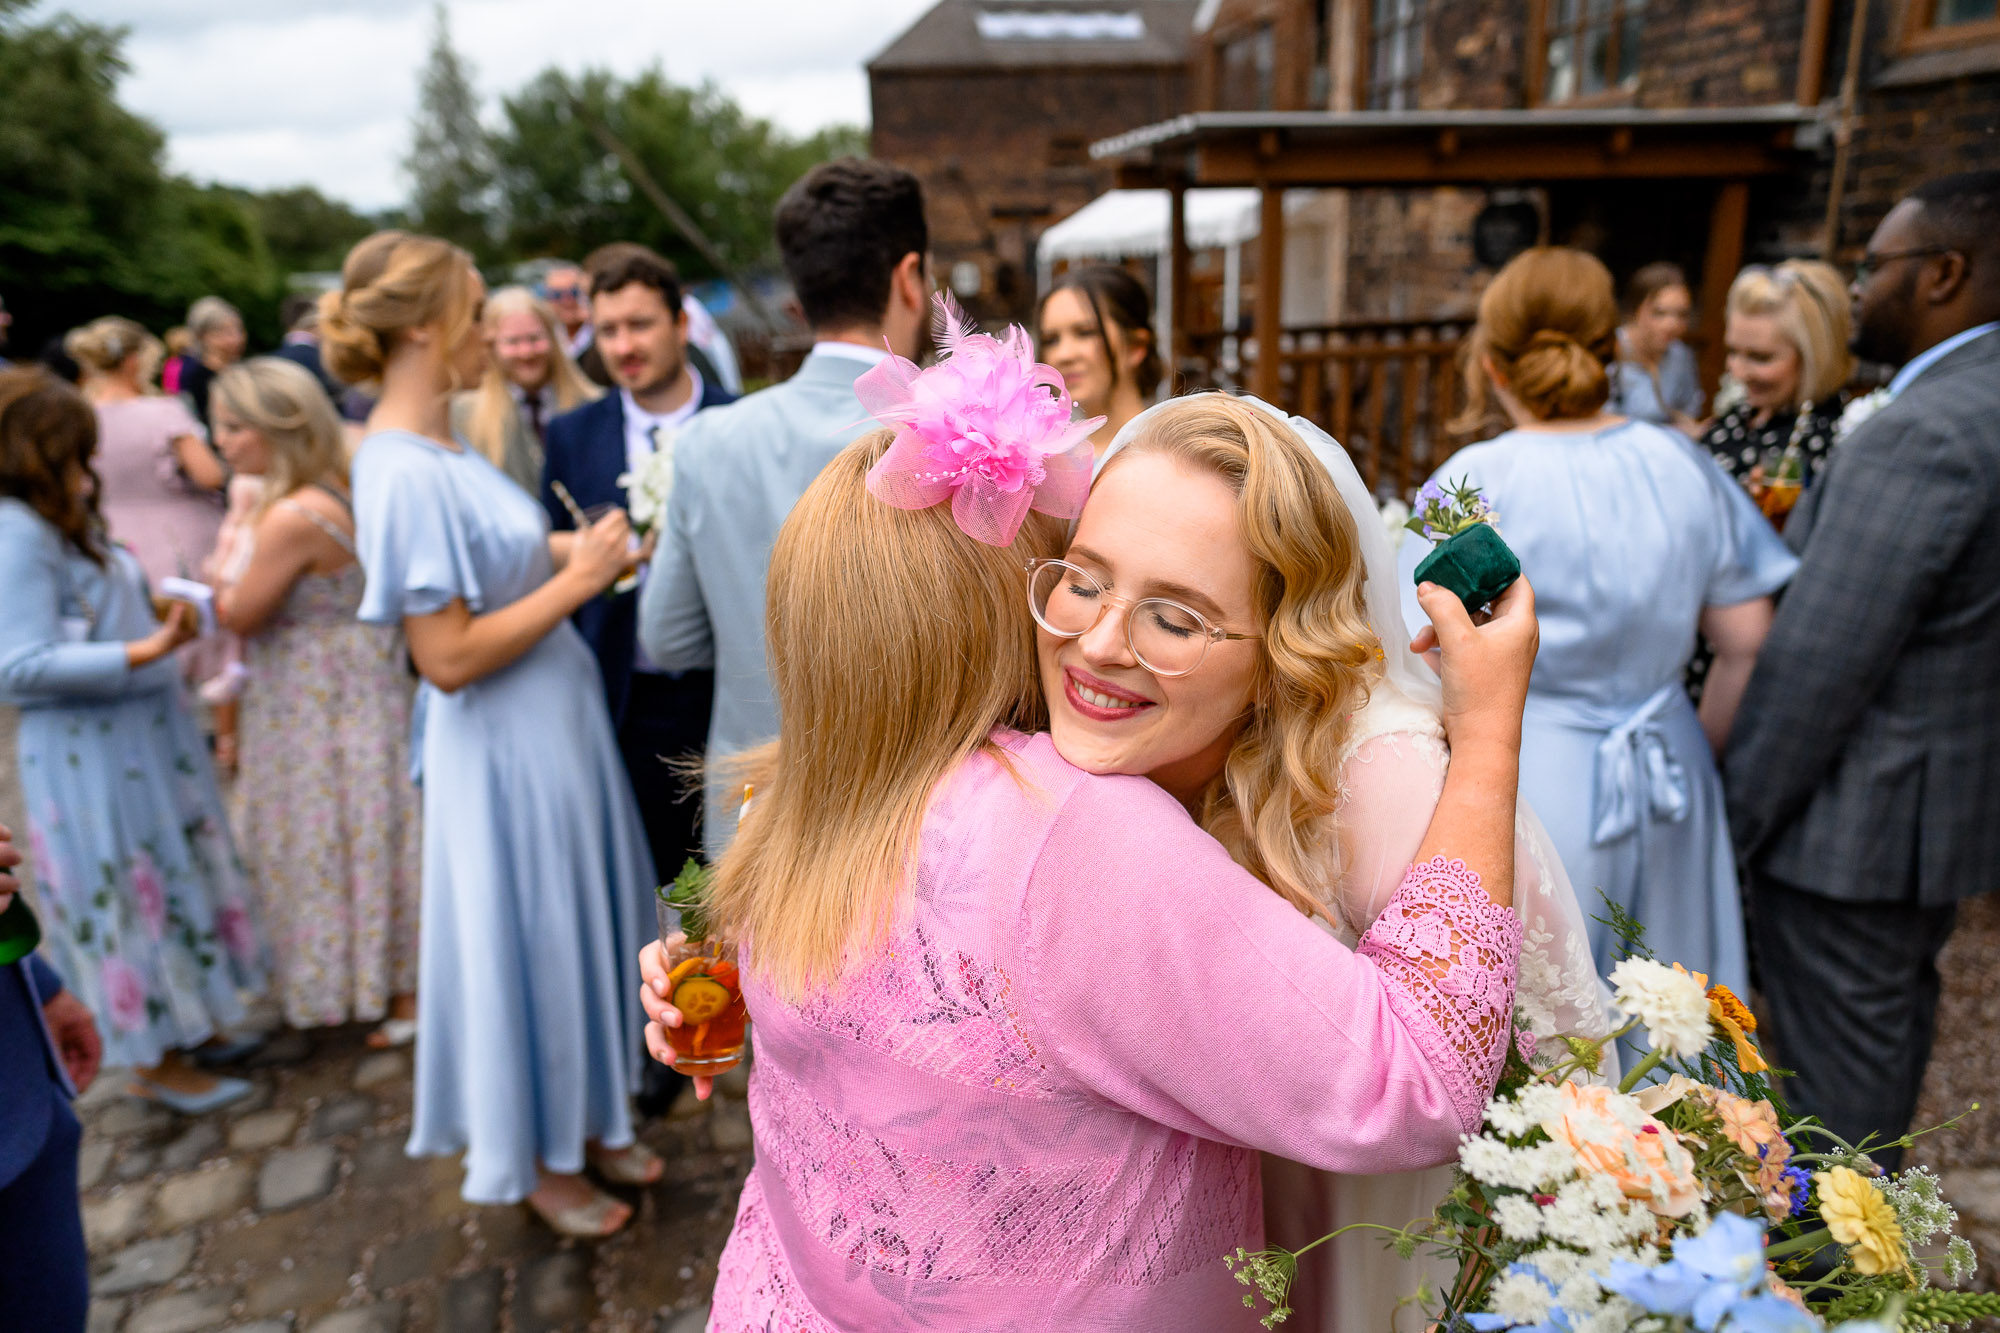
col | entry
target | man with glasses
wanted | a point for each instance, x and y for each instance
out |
(1863, 772)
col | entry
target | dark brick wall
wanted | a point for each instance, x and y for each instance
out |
(1003, 156)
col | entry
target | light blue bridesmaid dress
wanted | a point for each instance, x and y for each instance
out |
(148, 905)
(1626, 533)
(534, 863)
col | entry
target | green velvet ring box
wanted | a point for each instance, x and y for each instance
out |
(19, 932)
(1475, 564)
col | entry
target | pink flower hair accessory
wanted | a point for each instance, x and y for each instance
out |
(987, 426)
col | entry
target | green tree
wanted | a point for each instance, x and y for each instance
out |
(451, 161)
(90, 223)
(562, 192)
(306, 231)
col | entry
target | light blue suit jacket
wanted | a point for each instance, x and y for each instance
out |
(738, 470)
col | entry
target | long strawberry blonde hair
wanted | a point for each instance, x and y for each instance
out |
(1273, 804)
(897, 645)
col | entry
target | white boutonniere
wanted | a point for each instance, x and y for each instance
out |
(1858, 411)
(648, 489)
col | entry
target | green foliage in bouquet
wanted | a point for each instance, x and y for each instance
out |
(1693, 1201)
(1471, 559)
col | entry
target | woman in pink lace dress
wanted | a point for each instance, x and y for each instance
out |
(1019, 1029)
(1235, 507)
(323, 805)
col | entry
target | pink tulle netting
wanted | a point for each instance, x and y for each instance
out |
(987, 426)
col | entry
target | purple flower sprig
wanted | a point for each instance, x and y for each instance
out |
(1445, 511)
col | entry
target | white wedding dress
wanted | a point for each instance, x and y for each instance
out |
(1391, 774)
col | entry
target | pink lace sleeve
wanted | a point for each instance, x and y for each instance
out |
(1448, 954)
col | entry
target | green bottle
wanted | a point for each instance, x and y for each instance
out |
(19, 931)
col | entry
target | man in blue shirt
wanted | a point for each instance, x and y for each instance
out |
(49, 1051)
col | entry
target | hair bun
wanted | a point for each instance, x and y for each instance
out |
(351, 351)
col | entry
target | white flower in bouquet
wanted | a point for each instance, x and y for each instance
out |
(1396, 518)
(1671, 1003)
(1858, 411)
(648, 489)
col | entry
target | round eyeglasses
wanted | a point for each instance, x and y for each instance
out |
(1166, 638)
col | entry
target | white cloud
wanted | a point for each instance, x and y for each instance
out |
(321, 91)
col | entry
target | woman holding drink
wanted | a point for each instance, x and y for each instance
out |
(1020, 1027)
(527, 1039)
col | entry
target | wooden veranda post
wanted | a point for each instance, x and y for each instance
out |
(1727, 217)
(1177, 283)
(1265, 380)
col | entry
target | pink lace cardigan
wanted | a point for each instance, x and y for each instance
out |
(1039, 1107)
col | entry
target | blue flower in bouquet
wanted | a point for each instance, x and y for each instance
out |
(1715, 1277)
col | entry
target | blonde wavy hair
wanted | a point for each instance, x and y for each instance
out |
(281, 401)
(492, 405)
(1274, 803)
(392, 282)
(897, 646)
(1808, 300)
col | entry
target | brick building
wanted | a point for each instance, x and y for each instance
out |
(994, 105)
(1709, 132)
(1926, 100)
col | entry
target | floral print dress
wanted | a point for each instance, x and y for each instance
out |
(147, 905)
(323, 805)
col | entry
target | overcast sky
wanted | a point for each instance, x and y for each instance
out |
(282, 92)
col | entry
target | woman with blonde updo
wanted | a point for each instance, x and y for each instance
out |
(323, 808)
(215, 343)
(1635, 540)
(529, 379)
(1787, 335)
(534, 860)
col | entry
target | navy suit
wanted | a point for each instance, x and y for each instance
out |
(658, 717)
(44, 1273)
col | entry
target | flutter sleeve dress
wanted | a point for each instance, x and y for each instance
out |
(139, 879)
(534, 860)
(1039, 1105)
(1627, 534)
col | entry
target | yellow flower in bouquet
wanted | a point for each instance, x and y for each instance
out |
(1862, 1220)
(1612, 1136)
(1734, 1017)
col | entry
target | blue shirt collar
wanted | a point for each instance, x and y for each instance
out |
(1930, 356)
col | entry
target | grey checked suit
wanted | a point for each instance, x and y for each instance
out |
(738, 470)
(1864, 772)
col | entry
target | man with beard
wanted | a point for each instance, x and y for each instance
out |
(1863, 772)
(660, 715)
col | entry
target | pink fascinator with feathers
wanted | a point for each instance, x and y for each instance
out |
(987, 426)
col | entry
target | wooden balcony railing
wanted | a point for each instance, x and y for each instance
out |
(1383, 388)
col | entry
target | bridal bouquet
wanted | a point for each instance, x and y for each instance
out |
(1696, 1202)
(648, 489)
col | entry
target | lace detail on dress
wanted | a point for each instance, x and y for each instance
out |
(940, 1010)
(755, 1291)
(1122, 1221)
(1449, 954)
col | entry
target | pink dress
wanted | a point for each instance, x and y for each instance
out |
(148, 505)
(1040, 1107)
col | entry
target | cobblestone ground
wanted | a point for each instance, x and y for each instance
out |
(295, 1211)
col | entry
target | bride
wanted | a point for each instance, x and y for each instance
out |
(1317, 761)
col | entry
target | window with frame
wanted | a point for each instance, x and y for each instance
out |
(1591, 48)
(1249, 71)
(1931, 24)
(1395, 54)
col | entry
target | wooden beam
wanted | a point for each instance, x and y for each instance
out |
(1390, 162)
(1727, 217)
(1178, 279)
(1270, 326)
(1812, 53)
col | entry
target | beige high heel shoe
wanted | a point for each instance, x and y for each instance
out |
(601, 1217)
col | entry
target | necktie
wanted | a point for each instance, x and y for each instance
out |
(534, 405)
